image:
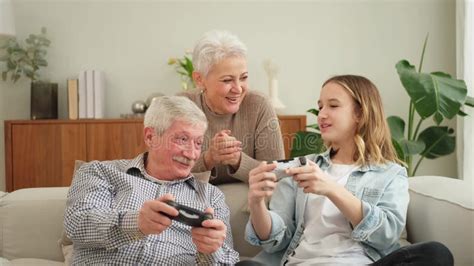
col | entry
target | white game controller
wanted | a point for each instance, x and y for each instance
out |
(282, 165)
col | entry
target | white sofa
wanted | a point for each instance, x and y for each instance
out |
(31, 220)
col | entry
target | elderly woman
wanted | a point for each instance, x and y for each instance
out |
(243, 127)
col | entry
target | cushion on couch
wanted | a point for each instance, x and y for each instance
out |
(23, 210)
(444, 212)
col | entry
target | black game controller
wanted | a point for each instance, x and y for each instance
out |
(282, 165)
(187, 215)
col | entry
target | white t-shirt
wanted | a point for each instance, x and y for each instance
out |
(327, 238)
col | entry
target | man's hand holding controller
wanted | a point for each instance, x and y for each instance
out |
(156, 216)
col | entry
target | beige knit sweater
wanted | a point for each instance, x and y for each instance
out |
(255, 125)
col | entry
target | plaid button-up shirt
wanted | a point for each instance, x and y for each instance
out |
(102, 217)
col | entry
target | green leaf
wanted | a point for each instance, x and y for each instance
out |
(189, 66)
(305, 142)
(411, 147)
(41, 62)
(11, 65)
(313, 111)
(399, 150)
(461, 113)
(397, 127)
(182, 72)
(434, 93)
(313, 126)
(438, 118)
(439, 141)
(469, 101)
(4, 75)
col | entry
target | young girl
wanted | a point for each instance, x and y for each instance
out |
(347, 205)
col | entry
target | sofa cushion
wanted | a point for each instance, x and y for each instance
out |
(442, 209)
(32, 208)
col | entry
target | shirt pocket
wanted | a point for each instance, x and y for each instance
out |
(371, 195)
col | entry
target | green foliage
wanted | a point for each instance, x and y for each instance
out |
(184, 67)
(433, 95)
(25, 59)
(307, 142)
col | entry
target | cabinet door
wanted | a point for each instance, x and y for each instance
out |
(117, 140)
(289, 125)
(43, 155)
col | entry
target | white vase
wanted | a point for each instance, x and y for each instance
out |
(276, 102)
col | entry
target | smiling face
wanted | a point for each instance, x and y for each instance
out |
(337, 117)
(225, 85)
(173, 155)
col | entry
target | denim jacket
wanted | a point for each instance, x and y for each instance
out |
(383, 190)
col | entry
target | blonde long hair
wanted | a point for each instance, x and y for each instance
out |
(372, 139)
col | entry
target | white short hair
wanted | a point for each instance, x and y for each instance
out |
(213, 47)
(165, 110)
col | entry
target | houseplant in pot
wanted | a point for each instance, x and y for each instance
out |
(184, 67)
(26, 60)
(434, 95)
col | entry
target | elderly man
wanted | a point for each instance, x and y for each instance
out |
(117, 212)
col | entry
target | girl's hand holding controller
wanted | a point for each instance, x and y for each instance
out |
(281, 170)
(262, 182)
(313, 180)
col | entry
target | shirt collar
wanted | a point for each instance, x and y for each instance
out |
(138, 164)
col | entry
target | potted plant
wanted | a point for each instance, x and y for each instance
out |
(434, 95)
(184, 67)
(26, 60)
(308, 142)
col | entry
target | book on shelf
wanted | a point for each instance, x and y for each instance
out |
(82, 95)
(99, 94)
(73, 98)
(90, 94)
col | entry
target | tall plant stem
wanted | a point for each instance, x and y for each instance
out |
(411, 118)
(417, 164)
(415, 135)
(423, 53)
(411, 115)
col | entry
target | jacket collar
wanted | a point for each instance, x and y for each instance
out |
(324, 161)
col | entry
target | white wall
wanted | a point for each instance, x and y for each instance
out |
(310, 40)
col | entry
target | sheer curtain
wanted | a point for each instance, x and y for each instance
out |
(465, 62)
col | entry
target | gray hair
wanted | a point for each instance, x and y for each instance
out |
(165, 110)
(215, 46)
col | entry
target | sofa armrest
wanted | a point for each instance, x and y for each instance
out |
(441, 209)
(31, 222)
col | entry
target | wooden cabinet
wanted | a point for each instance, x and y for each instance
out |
(41, 153)
(289, 125)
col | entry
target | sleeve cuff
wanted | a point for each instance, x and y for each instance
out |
(368, 223)
(276, 233)
(129, 225)
(247, 163)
